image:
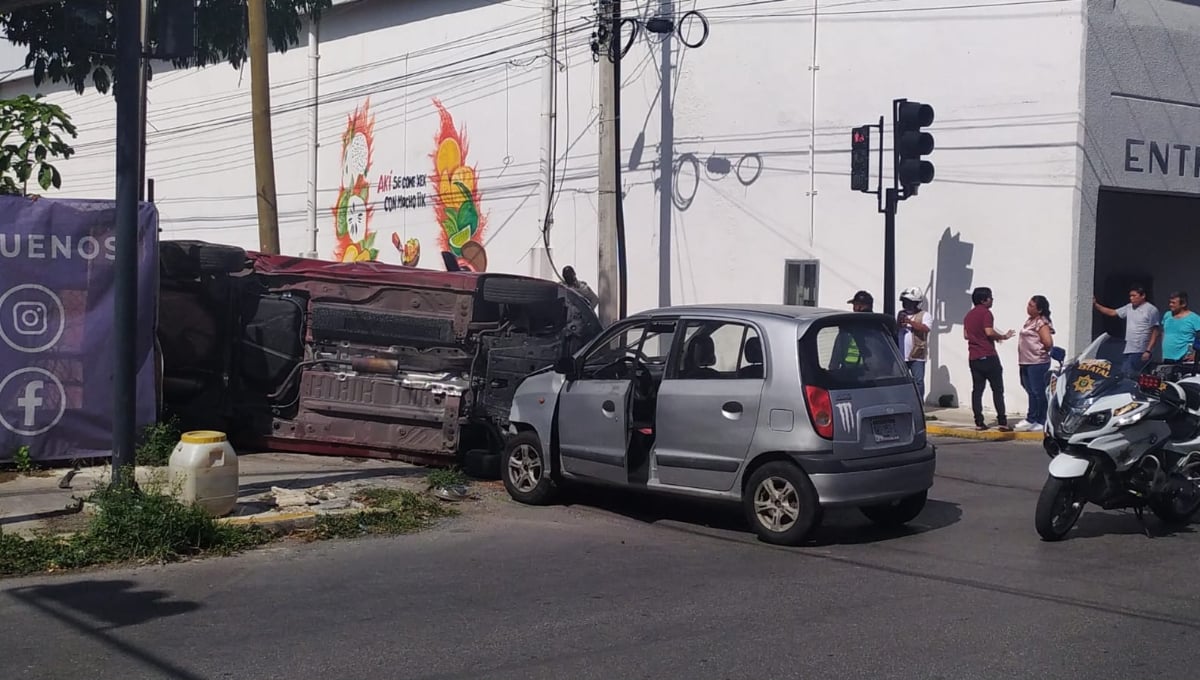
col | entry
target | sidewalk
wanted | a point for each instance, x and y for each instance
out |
(322, 485)
(960, 422)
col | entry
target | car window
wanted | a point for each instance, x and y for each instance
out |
(652, 339)
(716, 350)
(850, 354)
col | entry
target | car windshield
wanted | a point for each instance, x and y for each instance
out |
(850, 353)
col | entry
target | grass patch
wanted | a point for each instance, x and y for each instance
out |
(128, 526)
(158, 441)
(445, 477)
(389, 511)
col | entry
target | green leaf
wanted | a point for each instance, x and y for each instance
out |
(46, 177)
(56, 178)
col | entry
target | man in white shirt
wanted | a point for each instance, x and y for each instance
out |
(1143, 326)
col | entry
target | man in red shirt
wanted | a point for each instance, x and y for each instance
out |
(981, 335)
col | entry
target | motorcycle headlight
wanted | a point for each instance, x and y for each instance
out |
(1128, 414)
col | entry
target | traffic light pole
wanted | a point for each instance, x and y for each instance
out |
(889, 252)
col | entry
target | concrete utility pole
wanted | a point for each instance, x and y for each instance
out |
(260, 104)
(125, 264)
(143, 82)
(608, 229)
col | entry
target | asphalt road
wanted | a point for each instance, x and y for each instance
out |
(629, 588)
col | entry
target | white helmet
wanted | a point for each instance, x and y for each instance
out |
(913, 294)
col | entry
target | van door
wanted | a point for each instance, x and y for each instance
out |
(854, 359)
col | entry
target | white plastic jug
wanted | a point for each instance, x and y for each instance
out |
(204, 468)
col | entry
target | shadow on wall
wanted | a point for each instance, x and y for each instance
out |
(951, 284)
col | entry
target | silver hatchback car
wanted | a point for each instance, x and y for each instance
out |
(788, 410)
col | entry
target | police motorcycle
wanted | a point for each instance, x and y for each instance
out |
(1118, 443)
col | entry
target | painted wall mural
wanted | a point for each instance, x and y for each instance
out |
(456, 203)
(353, 211)
(455, 196)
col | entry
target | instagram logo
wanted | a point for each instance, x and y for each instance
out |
(29, 318)
(32, 318)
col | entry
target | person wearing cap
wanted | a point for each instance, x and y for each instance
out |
(862, 302)
(913, 325)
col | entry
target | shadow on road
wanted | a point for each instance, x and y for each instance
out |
(1101, 524)
(844, 526)
(95, 607)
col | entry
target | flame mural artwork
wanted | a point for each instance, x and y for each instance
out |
(453, 194)
(353, 211)
(456, 203)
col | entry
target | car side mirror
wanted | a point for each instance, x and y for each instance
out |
(566, 366)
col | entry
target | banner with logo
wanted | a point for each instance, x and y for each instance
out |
(56, 326)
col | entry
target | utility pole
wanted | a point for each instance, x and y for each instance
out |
(143, 82)
(125, 264)
(260, 104)
(608, 229)
(666, 160)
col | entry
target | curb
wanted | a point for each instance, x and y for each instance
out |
(283, 523)
(962, 432)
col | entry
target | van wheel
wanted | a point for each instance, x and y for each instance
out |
(526, 472)
(781, 504)
(897, 513)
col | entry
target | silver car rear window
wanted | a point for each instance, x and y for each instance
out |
(849, 353)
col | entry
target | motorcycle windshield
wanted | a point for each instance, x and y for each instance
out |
(1088, 376)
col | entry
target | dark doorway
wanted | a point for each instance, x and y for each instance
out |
(1152, 240)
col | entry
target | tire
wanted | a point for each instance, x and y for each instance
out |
(897, 513)
(482, 464)
(526, 470)
(515, 291)
(218, 259)
(790, 510)
(1056, 512)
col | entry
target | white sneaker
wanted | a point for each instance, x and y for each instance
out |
(1024, 426)
(1034, 427)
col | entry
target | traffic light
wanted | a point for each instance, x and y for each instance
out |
(911, 144)
(860, 158)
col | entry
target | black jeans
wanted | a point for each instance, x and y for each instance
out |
(983, 371)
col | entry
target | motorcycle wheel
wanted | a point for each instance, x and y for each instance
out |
(1058, 508)
(1177, 507)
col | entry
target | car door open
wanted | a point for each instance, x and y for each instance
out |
(594, 407)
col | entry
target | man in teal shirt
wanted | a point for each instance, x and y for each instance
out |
(1180, 327)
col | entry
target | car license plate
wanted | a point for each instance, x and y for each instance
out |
(885, 430)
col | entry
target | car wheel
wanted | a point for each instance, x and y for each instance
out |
(897, 513)
(514, 291)
(526, 473)
(781, 504)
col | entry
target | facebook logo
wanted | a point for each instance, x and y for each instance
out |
(32, 401)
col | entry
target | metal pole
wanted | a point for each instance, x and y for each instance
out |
(143, 83)
(608, 256)
(314, 132)
(125, 263)
(889, 253)
(666, 163)
(260, 104)
(618, 196)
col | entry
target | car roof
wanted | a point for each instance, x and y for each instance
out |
(747, 310)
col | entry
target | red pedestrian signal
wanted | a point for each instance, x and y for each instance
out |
(860, 158)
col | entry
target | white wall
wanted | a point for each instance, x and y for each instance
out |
(1003, 77)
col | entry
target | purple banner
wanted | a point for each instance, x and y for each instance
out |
(56, 325)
